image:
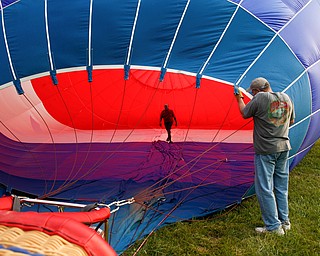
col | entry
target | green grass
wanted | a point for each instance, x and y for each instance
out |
(232, 232)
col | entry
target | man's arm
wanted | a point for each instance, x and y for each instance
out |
(240, 103)
(239, 97)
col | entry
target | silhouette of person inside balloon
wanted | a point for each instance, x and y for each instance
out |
(168, 117)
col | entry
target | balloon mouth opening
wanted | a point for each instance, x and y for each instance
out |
(124, 110)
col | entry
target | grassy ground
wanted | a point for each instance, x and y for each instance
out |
(232, 232)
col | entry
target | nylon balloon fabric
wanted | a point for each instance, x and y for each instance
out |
(83, 83)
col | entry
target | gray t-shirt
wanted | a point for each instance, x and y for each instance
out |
(272, 113)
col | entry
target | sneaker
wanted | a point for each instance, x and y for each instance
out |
(263, 230)
(286, 225)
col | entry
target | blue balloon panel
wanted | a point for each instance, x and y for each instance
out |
(92, 77)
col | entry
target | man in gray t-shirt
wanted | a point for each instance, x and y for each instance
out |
(272, 114)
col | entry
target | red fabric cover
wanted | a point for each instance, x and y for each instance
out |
(62, 225)
(6, 203)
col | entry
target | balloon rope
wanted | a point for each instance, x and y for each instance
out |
(137, 123)
(191, 189)
(52, 140)
(186, 164)
(120, 112)
(138, 226)
(166, 179)
(192, 112)
(115, 244)
(91, 134)
(111, 225)
(201, 185)
(102, 159)
(33, 155)
(183, 219)
(147, 207)
(157, 192)
(167, 216)
(199, 158)
(143, 195)
(110, 155)
(224, 120)
(76, 138)
(96, 165)
(144, 112)
(179, 218)
(68, 182)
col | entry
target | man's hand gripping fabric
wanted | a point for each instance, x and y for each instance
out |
(237, 92)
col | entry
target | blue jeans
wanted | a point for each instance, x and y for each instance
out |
(271, 185)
